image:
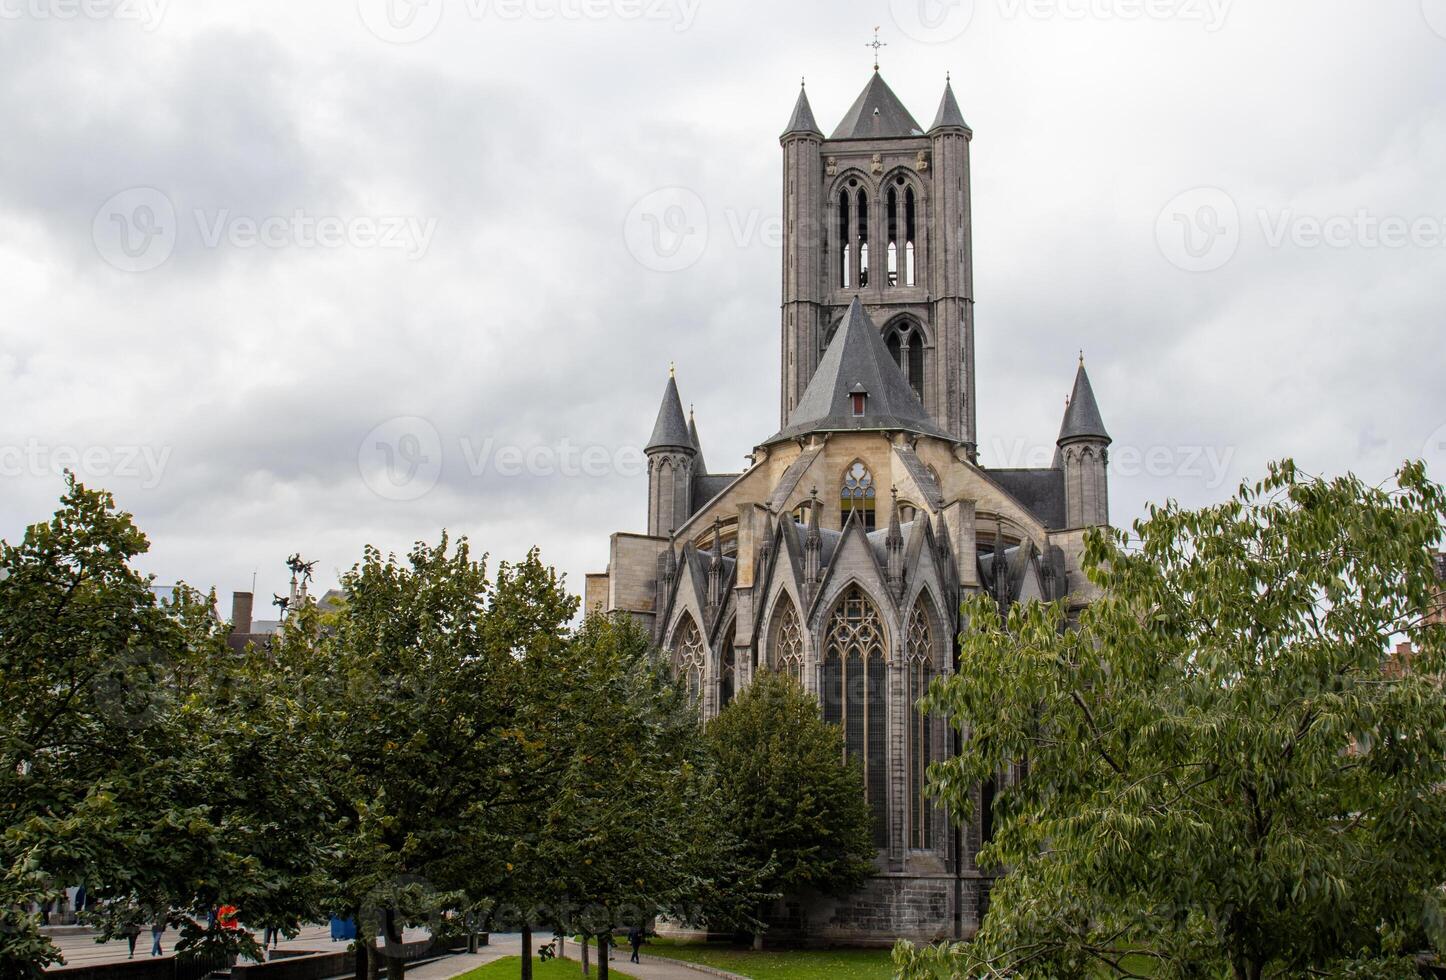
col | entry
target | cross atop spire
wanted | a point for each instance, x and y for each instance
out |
(876, 45)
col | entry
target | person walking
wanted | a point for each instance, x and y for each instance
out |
(158, 929)
(635, 940)
(132, 933)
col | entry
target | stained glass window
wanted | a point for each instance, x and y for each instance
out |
(690, 658)
(854, 696)
(788, 642)
(919, 662)
(858, 494)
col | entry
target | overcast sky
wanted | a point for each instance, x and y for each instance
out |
(249, 249)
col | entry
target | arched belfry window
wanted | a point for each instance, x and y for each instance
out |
(905, 340)
(786, 643)
(900, 220)
(858, 494)
(919, 663)
(854, 695)
(853, 235)
(690, 657)
(727, 669)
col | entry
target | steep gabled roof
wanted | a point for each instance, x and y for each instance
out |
(802, 120)
(857, 358)
(1082, 417)
(949, 114)
(877, 113)
(671, 429)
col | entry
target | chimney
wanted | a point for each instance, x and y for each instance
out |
(241, 612)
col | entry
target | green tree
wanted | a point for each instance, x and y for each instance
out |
(417, 678)
(623, 825)
(1221, 777)
(787, 792)
(137, 756)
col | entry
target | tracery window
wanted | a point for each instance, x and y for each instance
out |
(858, 494)
(727, 669)
(787, 642)
(854, 695)
(690, 658)
(905, 341)
(919, 664)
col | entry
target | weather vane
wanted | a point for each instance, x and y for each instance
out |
(876, 45)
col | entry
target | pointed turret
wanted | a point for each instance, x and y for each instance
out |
(802, 123)
(1084, 456)
(671, 458)
(700, 468)
(858, 386)
(670, 431)
(949, 116)
(1082, 416)
(877, 114)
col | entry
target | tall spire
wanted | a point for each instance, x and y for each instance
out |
(699, 467)
(671, 429)
(1082, 416)
(802, 123)
(949, 115)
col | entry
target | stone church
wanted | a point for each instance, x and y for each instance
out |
(841, 555)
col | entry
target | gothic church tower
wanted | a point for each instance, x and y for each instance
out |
(880, 211)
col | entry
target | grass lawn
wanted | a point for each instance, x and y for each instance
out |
(510, 968)
(817, 964)
(803, 964)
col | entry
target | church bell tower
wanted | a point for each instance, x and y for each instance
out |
(880, 210)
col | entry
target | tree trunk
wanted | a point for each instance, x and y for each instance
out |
(602, 955)
(526, 952)
(392, 945)
(584, 954)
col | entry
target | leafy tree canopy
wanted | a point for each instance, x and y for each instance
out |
(1221, 775)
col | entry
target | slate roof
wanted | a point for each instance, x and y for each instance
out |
(857, 356)
(802, 120)
(1041, 492)
(1082, 417)
(877, 113)
(671, 429)
(949, 114)
(706, 488)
